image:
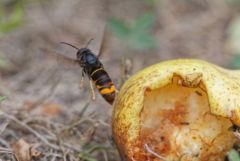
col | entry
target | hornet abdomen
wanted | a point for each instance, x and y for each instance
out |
(104, 84)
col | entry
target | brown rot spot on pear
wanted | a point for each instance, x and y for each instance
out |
(147, 89)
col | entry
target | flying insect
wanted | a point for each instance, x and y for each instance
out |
(93, 68)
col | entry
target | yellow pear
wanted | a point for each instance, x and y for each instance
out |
(179, 110)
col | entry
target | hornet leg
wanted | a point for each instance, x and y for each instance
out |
(92, 89)
(82, 79)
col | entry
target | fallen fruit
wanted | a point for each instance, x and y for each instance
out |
(180, 110)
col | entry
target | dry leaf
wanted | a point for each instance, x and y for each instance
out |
(25, 151)
(35, 153)
(51, 109)
(29, 105)
(22, 150)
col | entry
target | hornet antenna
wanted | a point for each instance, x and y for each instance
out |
(89, 41)
(69, 45)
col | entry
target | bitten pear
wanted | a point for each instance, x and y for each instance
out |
(177, 110)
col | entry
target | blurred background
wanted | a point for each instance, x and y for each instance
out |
(40, 100)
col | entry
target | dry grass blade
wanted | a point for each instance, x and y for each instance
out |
(149, 150)
(3, 126)
(43, 139)
(8, 151)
